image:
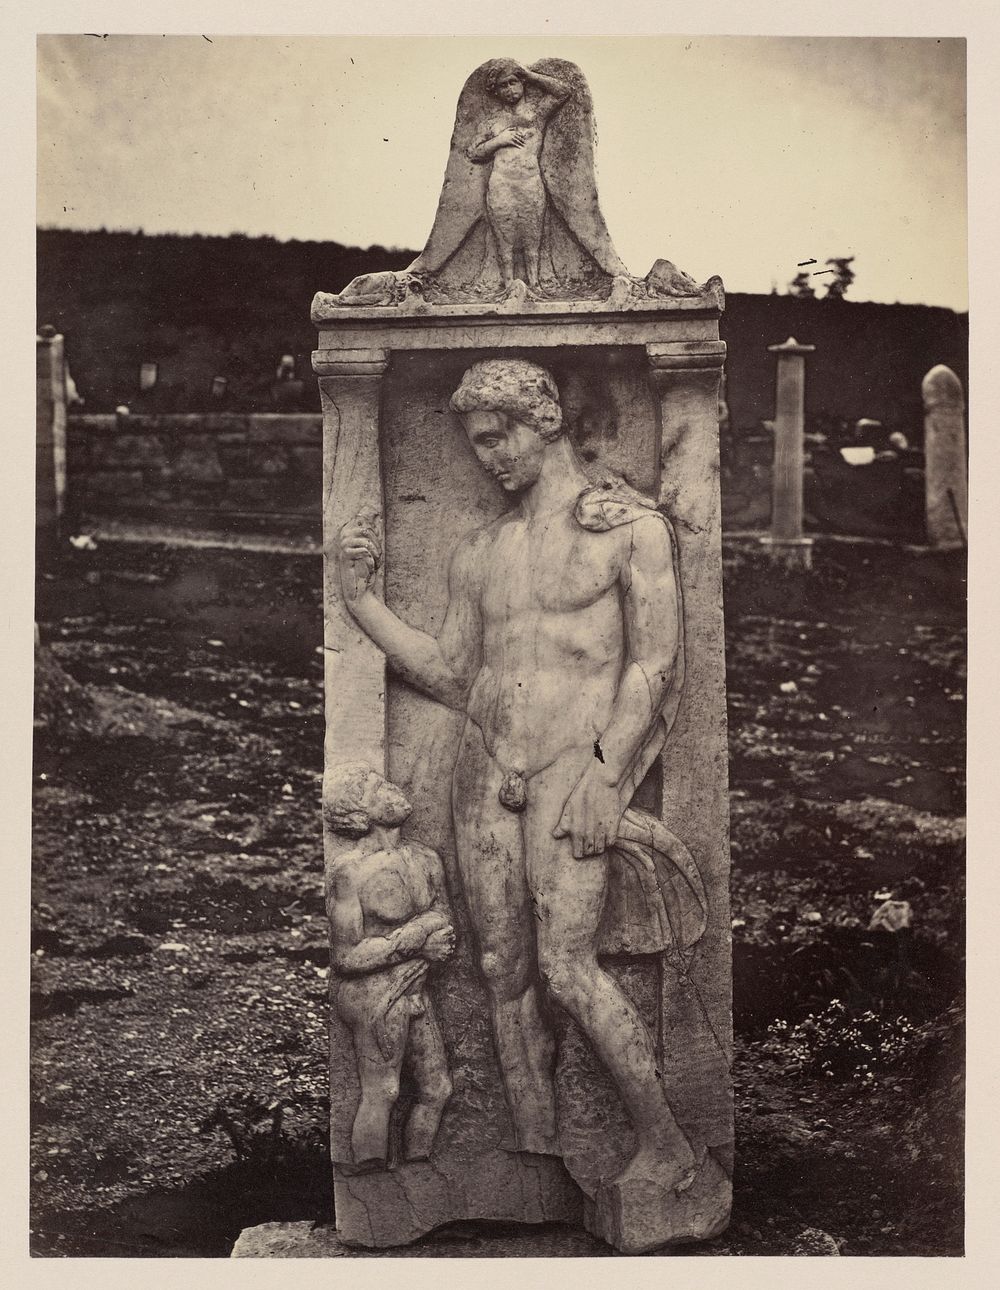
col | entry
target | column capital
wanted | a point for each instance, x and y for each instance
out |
(791, 346)
(350, 362)
(686, 355)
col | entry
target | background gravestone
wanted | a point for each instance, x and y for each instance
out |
(945, 457)
(50, 437)
(786, 544)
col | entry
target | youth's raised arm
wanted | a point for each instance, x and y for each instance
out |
(439, 668)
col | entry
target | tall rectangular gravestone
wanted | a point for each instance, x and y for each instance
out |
(525, 796)
(50, 437)
(945, 471)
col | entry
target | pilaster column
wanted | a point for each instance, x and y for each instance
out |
(695, 1044)
(354, 668)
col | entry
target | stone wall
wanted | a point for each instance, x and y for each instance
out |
(884, 500)
(247, 473)
(261, 473)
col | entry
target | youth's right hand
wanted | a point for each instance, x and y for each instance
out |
(360, 555)
(513, 137)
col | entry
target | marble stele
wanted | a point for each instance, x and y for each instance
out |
(525, 797)
(946, 457)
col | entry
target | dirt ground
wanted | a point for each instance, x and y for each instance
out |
(179, 944)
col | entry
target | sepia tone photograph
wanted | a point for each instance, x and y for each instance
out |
(501, 527)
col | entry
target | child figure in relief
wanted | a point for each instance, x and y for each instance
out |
(390, 922)
(512, 141)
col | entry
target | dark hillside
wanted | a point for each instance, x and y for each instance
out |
(201, 307)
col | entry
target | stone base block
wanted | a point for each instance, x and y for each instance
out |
(388, 1208)
(635, 1216)
(461, 1241)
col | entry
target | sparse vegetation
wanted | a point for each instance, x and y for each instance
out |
(180, 959)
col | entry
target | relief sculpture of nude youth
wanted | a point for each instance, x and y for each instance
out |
(560, 641)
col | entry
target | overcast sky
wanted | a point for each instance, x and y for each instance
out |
(732, 155)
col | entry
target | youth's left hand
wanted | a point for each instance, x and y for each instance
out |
(592, 815)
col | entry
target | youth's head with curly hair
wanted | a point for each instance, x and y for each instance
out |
(516, 388)
(511, 414)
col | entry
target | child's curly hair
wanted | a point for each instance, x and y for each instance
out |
(343, 794)
(497, 69)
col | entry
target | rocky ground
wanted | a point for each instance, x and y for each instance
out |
(179, 948)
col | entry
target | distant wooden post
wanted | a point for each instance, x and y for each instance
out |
(946, 487)
(50, 436)
(786, 543)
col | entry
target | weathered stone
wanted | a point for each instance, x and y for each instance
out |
(533, 322)
(306, 1240)
(217, 423)
(786, 542)
(519, 220)
(170, 422)
(636, 1217)
(205, 468)
(524, 633)
(945, 457)
(197, 462)
(115, 483)
(519, 199)
(50, 432)
(814, 1241)
(92, 424)
(429, 478)
(285, 428)
(518, 208)
(665, 279)
(892, 916)
(124, 451)
(389, 924)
